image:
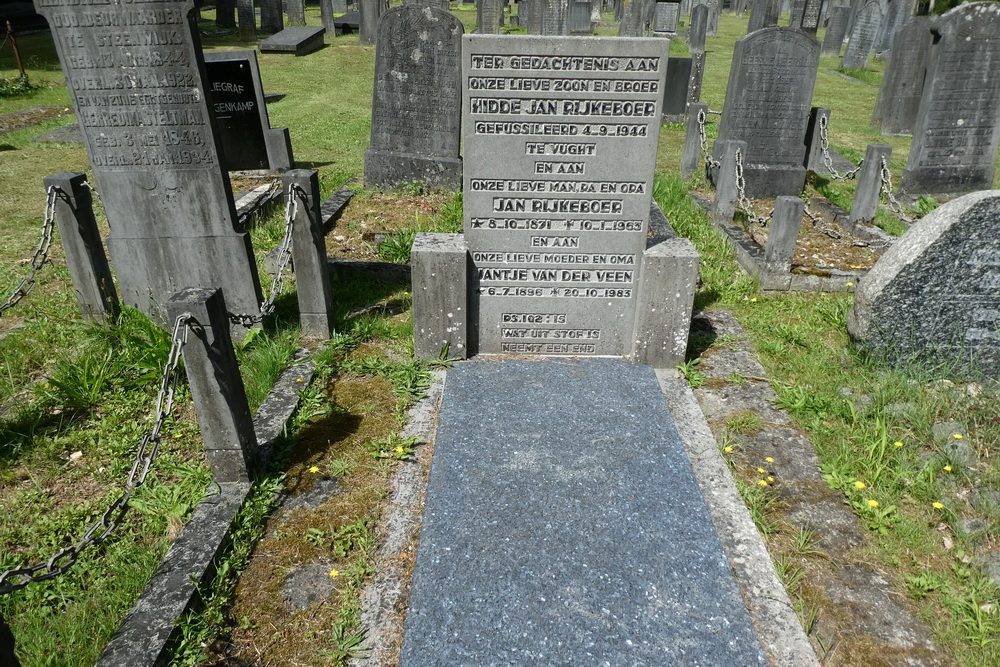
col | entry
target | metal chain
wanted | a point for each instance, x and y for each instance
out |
(709, 161)
(93, 191)
(894, 204)
(741, 190)
(284, 256)
(65, 558)
(824, 144)
(41, 252)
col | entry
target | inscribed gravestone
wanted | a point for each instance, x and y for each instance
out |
(767, 105)
(903, 80)
(714, 10)
(763, 13)
(296, 11)
(899, 13)
(665, 18)
(248, 20)
(560, 145)
(697, 29)
(675, 89)
(795, 19)
(416, 102)
(370, 12)
(957, 131)
(271, 18)
(863, 35)
(809, 20)
(488, 14)
(554, 16)
(836, 30)
(530, 16)
(578, 17)
(631, 23)
(934, 296)
(135, 77)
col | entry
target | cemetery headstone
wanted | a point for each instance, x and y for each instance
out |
(271, 18)
(675, 89)
(686, 7)
(903, 79)
(296, 11)
(488, 13)
(934, 296)
(299, 40)
(339, 6)
(245, 133)
(138, 92)
(763, 14)
(809, 19)
(225, 13)
(665, 18)
(767, 105)
(957, 130)
(866, 29)
(697, 29)
(579, 17)
(554, 17)
(836, 29)
(416, 112)
(370, 12)
(247, 19)
(530, 13)
(796, 16)
(898, 14)
(856, 6)
(714, 10)
(631, 23)
(557, 189)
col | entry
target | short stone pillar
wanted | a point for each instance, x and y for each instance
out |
(220, 399)
(439, 274)
(312, 280)
(814, 145)
(869, 188)
(783, 232)
(691, 154)
(726, 193)
(667, 283)
(81, 241)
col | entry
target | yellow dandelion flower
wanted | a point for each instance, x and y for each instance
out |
(769, 459)
(957, 436)
(334, 573)
(399, 449)
(947, 468)
(849, 284)
(300, 379)
(753, 299)
(938, 505)
(873, 504)
(728, 449)
(898, 444)
(761, 482)
(761, 471)
(860, 485)
(314, 469)
(770, 479)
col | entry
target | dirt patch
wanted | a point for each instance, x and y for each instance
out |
(21, 119)
(368, 216)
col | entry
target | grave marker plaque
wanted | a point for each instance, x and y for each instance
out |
(665, 18)
(810, 18)
(560, 145)
(957, 131)
(135, 73)
(863, 35)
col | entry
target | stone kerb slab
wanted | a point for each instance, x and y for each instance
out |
(933, 297)
(767, 105)
(903, 80)
(299, 40)
(957, 131)
(416, 111)
(866, 29)
(154, 151)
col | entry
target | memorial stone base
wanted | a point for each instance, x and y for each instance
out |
(384, 169)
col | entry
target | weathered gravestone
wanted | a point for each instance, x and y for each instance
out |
(135, 78)
(836, 29)
(248, 20)
(488, 16)
(903, 80)
(440, 4)
(296, 10)
(271, 18)
(631, 23)
(370, 12)
(698, 29)
(763, 14)
(714, 11)
(416, 112)
(767, 105)
(866, 29)
(958, 125)
(682, 86)
(897, 15)
(245, 134)
(225, 13)
(554, 17)
(338, 6)
(557, 199)
(665, 18)
(808, 16)
(578, 17)
(934, 296)
(299, 40)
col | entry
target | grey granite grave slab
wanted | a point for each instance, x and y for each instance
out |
(558, 171)
(416, 100)
(578, 18)
(675, 88)
(348, 23)
(666, 15)
(836, 29)
(934, 297)
(957, 132)
(563, 525)
(67, 134)
(903, 79)
(488, 13)
(763, 14)
(698, 29)
(138, 92)
(767, 105)
(897, 15)
(298, 40)
(865, 31)
(714, 11)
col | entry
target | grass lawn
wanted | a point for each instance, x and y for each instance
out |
(75, 398)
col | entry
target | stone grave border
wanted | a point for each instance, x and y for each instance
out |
(147, 632)
(750, 254)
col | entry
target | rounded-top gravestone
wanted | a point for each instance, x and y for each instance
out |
(934, 296)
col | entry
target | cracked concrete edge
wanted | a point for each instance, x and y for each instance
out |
(383, 601)
(774, 619)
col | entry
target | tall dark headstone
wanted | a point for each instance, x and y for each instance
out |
(675, 89)
(767, 106)
(578, 17)
(488, 13)
(416, 112)
(898, 14)
(271, 20)
(934, 296)
(554, 13)
(530, 13)
(903, 80)
(958, 125)
(866, 30)
(225, 13)
(631, 23)
(714, 11)
(698, 29)
(135, 76)
(763, 14)
(666, 15)
(296, 10)
(795, 18)
(836, 30)
(809, 19)
(248, 20)
(370, 12)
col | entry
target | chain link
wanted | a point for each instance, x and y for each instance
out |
(284, 256)
(709, 161)
(824, 144)
(894, 204)
(741, 191)
(41, 252)
(65, 558)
